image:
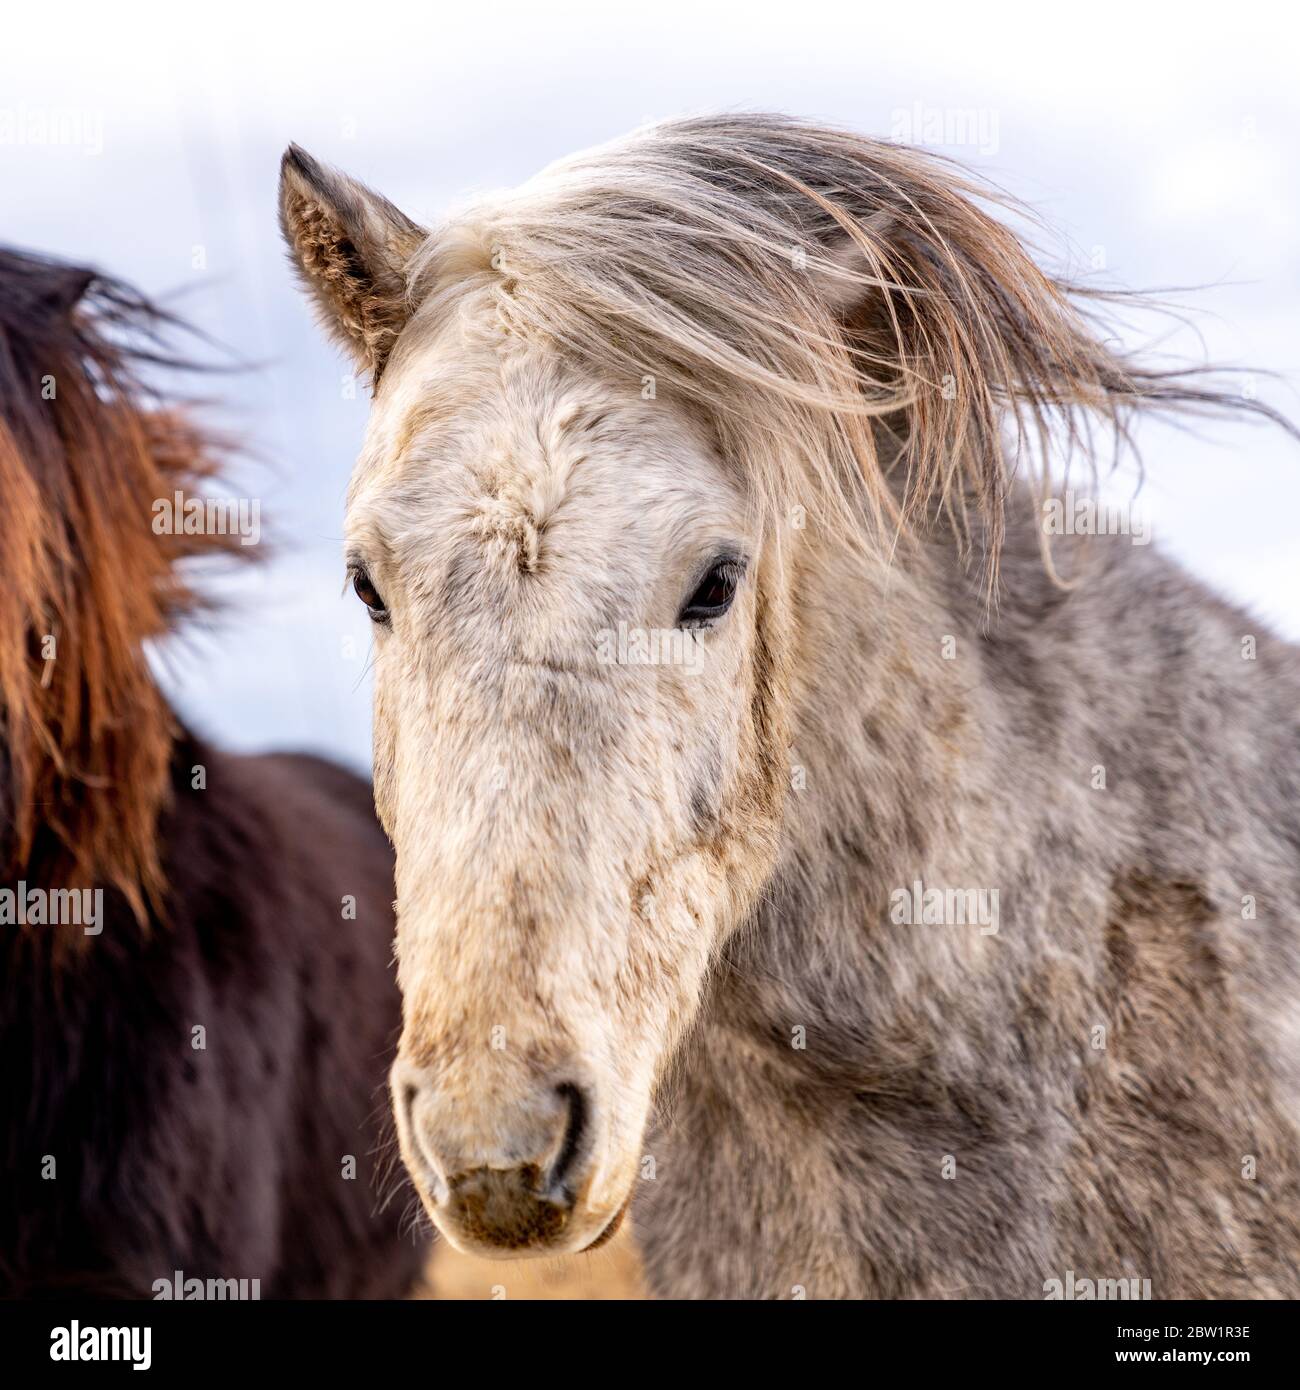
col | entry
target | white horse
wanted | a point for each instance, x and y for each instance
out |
(778, 838)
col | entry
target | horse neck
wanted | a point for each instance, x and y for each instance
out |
(900, 757)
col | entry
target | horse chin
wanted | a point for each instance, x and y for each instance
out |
(571, 1240)
(611, 1229)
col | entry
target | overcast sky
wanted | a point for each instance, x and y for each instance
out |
(1161, 146)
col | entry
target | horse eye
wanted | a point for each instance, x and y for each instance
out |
(369, 595)
(713, 596)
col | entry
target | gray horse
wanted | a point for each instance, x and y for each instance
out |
(808, 817)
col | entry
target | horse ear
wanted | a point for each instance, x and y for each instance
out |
(351, 249)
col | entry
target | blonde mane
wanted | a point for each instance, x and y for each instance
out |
(861, 332)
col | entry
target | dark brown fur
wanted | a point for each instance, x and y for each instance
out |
(223, 904)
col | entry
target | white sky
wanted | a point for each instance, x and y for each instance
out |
(1161, 140)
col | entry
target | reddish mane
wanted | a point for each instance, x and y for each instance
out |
(85, 448)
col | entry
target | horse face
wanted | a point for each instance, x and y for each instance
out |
(580, 745)
(575, 758)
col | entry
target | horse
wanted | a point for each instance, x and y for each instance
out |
(797, 832)
(197, 1009)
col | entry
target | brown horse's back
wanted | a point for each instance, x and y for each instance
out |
(210, 1097)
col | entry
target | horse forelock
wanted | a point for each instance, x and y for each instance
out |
(85, 450)
(871, 343)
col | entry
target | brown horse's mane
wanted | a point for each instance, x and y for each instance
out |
(86, 446)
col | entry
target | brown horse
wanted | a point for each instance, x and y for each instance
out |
(196, 1009)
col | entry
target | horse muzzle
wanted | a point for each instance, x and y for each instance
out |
(514, 1186)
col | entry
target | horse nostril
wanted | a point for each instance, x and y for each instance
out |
(406, 1093)
(405, 1088)
(514, 1168)
(575, 1131)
